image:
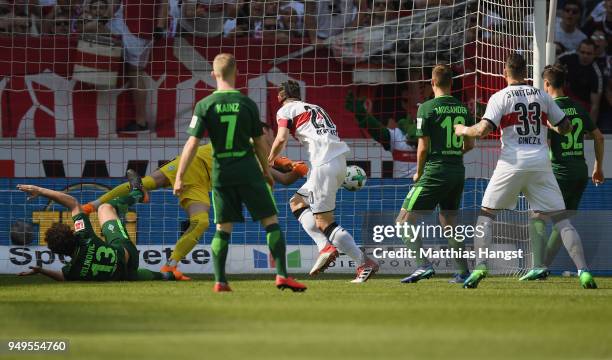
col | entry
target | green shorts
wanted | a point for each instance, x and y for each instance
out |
(116, 237)
(436, 188)
(572, 190)
(256, 196)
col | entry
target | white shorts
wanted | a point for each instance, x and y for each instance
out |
(322, 185)
(135, 50)
(539, 187)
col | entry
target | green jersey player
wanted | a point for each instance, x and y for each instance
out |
(232, 120)
(440, 172)
(568, 164)
(94, 259)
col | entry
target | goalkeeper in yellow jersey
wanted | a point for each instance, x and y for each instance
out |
(195, 199)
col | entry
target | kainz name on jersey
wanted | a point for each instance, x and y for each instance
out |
(530, 140)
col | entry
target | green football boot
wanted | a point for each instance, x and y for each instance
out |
(586, 280)
(475, 277)
(536, 274)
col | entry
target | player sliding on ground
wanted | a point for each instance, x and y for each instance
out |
(93, 259)
(522, 111)
(440, 172)
(569, 167)
(231, 120)
(314, 203)
(195, 200)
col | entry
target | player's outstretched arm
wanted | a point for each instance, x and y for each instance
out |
(564, 126)
(282, 136)
(286, 179)
(366, 121)
(55, 275)
(480, 130)
(189, 151)
(57, 196)
(598, 144)
(289, 173)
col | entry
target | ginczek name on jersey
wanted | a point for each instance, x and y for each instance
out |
(431, 253)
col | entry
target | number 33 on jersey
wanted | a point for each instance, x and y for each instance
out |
(522, 113)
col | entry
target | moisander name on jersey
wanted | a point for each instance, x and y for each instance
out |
(522, 92)
(458, 109)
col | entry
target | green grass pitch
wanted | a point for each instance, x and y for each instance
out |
(382, 319)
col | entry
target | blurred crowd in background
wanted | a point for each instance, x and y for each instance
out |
(583, 34)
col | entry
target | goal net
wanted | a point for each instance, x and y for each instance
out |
(74, 77)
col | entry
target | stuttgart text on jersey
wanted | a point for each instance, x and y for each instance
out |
(522, 92)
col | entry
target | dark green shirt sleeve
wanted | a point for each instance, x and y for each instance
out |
(82, 227)
(422, 128)
(197, 125)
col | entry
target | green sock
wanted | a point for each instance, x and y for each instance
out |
(552, 247)
(219, 247)
(537, 233)
(148, 275)
(415, 246)
(462, 264)
(122, 203)
(276, 244)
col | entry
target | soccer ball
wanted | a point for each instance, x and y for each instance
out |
(355, 178)
(22, 233)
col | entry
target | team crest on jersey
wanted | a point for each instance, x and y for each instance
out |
(79, 225)
(111, 227)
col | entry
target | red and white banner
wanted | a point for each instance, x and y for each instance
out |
(40, 98)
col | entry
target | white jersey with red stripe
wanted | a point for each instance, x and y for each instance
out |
(522, 112)
(311, 125)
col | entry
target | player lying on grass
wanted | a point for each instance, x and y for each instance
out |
(440, 172)
(522, 111)
(314, 203)
(232, 120)
(195, 200)
(569, 167)
(93, 259)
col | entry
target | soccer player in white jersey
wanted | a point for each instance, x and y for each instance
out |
(314, 203)
(523, 114)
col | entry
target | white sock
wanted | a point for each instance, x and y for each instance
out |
(573, 244)
(341, 239)
(308, 223)
(483, 241)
